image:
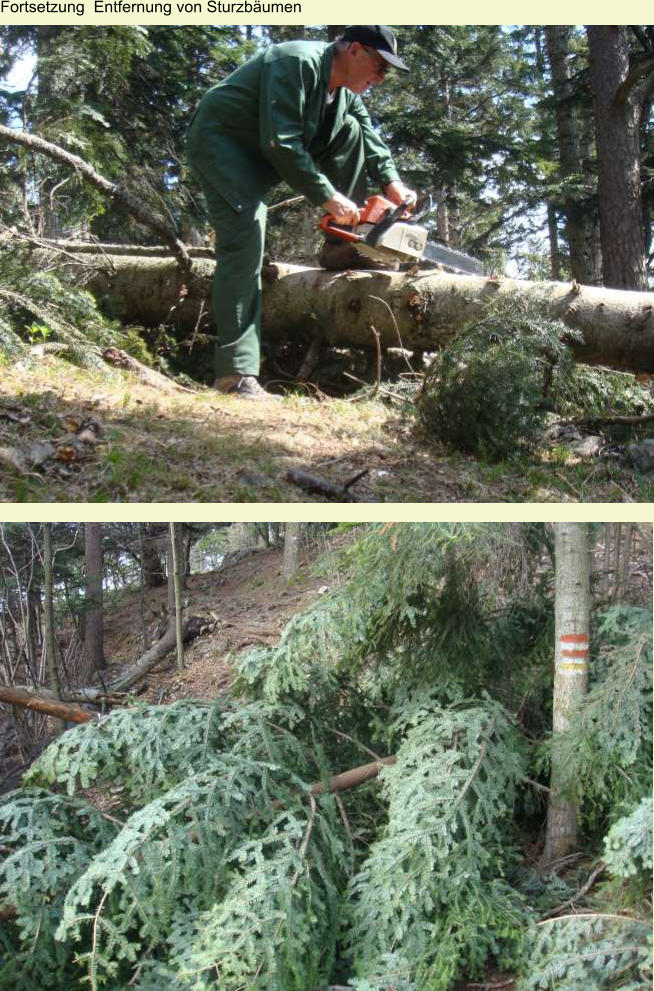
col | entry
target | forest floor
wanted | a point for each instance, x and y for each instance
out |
(150, 445)
(248, 600)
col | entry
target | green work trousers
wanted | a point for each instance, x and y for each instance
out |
(240, 233)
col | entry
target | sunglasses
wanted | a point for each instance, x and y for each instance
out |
(381, 65)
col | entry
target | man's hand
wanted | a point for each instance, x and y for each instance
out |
(343, 211)
(398, 193)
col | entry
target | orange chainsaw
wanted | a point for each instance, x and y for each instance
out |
(386, 231)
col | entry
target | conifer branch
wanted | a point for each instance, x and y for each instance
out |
(105, 186)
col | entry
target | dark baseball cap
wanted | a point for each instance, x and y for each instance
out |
(376, 36)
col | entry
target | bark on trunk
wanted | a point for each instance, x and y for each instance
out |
(175, 541)
(571, 655)
(52, 707)
(154, 572)
(429, 308)
(581, 223)
(617, 121)
(292, 532)
(48, 606)
(93, 620)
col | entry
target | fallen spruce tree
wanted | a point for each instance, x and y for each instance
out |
(172, 285)
(211, 862)
(421, 311)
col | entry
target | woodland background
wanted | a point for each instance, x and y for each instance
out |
(514, 130)
(537, 146)
(328, 755)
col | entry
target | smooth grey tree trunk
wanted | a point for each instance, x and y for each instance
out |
(292, 535)
(571, 660)
(144, 625)
(93, 617)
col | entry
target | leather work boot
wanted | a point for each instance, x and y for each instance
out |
(243, 386)
(343, 255)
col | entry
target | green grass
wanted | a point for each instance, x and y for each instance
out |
(161, 446)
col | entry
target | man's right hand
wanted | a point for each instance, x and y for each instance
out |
(343, 211)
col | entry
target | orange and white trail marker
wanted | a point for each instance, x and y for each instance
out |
(574, 653)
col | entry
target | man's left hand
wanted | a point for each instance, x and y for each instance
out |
(398, 193)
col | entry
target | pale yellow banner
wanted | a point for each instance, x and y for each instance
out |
(176, 12)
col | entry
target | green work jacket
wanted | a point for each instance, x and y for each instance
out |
(261, 123)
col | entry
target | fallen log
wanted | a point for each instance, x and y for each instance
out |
(350, 779)
(339, 782)
(19, 695)
(429, 308)
(51, 707)
(192, 628)
(311, 483)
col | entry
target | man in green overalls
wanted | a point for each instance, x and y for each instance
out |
(292, 112)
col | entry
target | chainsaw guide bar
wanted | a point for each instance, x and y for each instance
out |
(385, 232)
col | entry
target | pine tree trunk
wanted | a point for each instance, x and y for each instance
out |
(49, 630)
(176, 563)
(292, 534)
(581, 224)
(617, 122)
(154, 572)
(572, 622)
(93, 618)
(32, 633)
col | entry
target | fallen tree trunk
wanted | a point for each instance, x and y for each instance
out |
(428, 308)
(50, 706)
(192, 628)
(73, 713)
(350, 779)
